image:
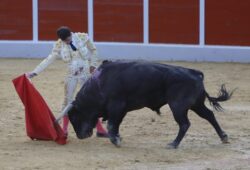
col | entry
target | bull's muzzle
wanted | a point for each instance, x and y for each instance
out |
(84, 135)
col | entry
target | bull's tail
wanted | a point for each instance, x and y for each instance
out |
(223, 95)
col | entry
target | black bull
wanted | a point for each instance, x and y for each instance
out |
(119, 87)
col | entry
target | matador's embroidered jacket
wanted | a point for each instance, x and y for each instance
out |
(78, 61)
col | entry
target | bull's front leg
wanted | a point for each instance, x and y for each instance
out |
(113, 130)
(116, 113)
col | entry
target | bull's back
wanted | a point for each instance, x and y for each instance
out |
(143, 84)
(131, 74)
(141, 77)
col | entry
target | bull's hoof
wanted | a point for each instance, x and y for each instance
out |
(172, 146)
(116, 141)
(224, 139)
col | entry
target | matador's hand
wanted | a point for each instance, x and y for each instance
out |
(31, 75)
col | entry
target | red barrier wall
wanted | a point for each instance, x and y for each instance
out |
(118, 20)
(227, 22)
(55, 13)
(172, 21)
(16, 20)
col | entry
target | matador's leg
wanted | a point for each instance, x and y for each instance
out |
(69, 90)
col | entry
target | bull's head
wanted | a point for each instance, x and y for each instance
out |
(83, 121)
(83, 112)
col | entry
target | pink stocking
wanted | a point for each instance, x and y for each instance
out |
(99, 127)
(65, 124)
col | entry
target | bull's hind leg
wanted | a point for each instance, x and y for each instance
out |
(181, 118)
(207, 114)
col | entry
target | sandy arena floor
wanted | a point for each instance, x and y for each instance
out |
(145, 134)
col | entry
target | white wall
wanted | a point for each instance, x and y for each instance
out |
(30, 49)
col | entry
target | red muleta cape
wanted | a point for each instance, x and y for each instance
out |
(39, 118)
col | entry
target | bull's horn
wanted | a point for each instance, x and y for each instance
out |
(64, 112)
